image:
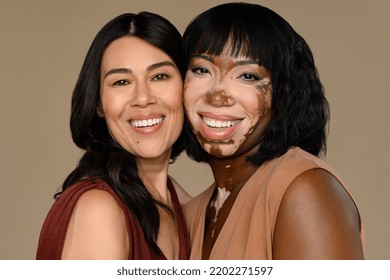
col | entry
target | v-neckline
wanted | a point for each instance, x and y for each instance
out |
(237, 200)
(230, 201)
(182, 232)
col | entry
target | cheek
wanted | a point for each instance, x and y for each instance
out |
(188, 102)
(176, 102)
(258, 106)
(265, 92)
(172, 96)
(111, 106)
(190, 94)
(263, 100)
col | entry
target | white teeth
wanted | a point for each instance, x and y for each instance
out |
(219, 124)
(146, 123)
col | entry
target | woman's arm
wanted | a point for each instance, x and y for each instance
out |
(317, 219)
(97, 229)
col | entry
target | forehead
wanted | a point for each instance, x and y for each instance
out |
(131, 49)
(226, 56)
(230, 47)
(250, 44)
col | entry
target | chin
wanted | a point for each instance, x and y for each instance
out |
(218, 152)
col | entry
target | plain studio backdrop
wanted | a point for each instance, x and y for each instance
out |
(42, 47)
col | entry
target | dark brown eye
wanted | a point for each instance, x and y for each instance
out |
(200, 70)
(121, 83)
(249, 77)
(160, 77)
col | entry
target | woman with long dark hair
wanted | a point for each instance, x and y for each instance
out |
(259, 117)
(119, 202)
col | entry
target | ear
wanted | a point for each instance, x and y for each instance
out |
(99, 112)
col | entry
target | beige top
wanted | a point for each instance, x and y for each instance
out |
(248, 230)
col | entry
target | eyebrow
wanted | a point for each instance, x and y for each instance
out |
(129, 71)
(237, 63)
(118, 71)
(246, 62)
(203, 56)
(160, 64)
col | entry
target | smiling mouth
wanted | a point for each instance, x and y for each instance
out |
(146, 123)
(219, 124)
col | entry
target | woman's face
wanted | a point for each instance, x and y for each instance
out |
(141, 97)
(228, 103)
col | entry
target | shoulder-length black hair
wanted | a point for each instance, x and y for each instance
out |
(300, 111)
(104, 158)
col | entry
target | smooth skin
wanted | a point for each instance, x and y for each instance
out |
(141, 102)
(97, 229)
(317, 219)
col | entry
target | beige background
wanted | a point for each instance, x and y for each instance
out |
(43, 44)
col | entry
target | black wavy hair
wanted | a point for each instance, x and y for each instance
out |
(300, 111)
(104, 158)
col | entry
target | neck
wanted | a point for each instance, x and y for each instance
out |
(154, 173)
(230, 173)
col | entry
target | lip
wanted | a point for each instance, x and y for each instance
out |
(221, 117)
(218, 127)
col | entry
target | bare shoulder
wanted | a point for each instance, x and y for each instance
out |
(319, 189)
(97, 229)
(317, 219)
(183, 196)
(97, 204)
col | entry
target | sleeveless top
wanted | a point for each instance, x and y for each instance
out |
(249, 228)
(54, 229)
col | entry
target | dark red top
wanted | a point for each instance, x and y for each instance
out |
(52, 237)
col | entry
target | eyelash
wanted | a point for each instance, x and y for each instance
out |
(200, 70)
(121, 83)
(249, 77)
(160, 77)
(245, 76)
(157, 78)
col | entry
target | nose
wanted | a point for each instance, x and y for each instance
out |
(219, 95)
(142, 95)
